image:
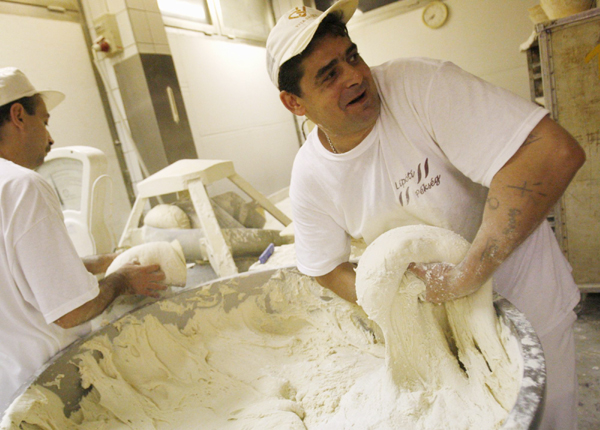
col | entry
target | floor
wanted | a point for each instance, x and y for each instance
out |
(587, 345)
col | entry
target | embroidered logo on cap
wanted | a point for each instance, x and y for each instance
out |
(298, 13)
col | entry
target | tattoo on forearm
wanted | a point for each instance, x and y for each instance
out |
(493, 203)
(531, 138)
(512, 221)
(491, 248)
(528, 191)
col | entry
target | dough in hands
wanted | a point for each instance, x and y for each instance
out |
(167, 216)
(456, 344)
(169, 255)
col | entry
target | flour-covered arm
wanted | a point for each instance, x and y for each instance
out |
(129, 279)
(521, 194)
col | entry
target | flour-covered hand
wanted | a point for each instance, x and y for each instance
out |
(443, 281)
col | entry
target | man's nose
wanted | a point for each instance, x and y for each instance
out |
(352, 75)
(50, 140)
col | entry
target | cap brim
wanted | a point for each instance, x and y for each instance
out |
(52, 98)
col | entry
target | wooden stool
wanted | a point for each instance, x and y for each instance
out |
(193, 176)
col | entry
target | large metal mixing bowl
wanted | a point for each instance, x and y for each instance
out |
(526, 413)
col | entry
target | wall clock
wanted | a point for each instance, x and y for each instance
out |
(435, 14)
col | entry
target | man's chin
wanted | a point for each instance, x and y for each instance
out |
(40, 162)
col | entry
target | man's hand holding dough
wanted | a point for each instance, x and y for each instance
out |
(129, 279)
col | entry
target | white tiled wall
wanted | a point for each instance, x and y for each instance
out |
(136, 4)
(141, 30)
(115, 6)
(125, 30)
(140, 24)
(215, 76)
(157, 28)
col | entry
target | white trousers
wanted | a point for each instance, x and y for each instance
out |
(560, 407)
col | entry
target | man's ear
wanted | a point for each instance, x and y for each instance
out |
(292, 103)
(17, 112)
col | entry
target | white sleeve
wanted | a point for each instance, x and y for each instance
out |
(321, 243)
(46, 267)
(479, 126)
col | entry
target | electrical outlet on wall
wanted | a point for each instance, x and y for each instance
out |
(108, 38)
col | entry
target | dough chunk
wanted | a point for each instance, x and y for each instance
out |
(167, 216)
(168, 254)
(429, 347)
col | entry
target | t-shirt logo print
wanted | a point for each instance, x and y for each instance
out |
(422, 173)
(298, 13)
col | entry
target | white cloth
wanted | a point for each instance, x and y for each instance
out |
(441, 137)
(41, 277)
(560, 410)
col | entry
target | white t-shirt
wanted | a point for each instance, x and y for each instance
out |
(441, 136)
(41, 277)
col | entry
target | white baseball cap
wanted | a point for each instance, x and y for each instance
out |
(15, 85)
(294, 31)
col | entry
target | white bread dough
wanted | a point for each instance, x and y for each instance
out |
(167, 216)
(292, 355)
(427, 344)
(169, 255)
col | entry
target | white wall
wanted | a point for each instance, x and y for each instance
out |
(53, 55)
(481, 36)
(233, 107)
(141, 30)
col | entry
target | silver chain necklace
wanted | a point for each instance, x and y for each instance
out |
(331, 144)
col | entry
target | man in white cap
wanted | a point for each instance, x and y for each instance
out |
(46, 293)
(418, 141)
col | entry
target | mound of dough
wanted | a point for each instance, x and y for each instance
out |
(428, 347)
(287, 354)
(168, 255)
(167, 216)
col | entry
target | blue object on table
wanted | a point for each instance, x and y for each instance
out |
(266, 253)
